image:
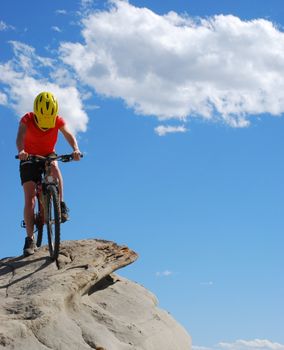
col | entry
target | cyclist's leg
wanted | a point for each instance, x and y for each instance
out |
(30, 174)
(30, 200)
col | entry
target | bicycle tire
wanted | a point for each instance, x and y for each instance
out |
(39, 222)
(53, 222)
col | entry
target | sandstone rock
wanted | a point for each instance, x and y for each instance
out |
(79, 303)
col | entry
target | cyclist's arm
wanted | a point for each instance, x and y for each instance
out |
(70, 138)
(20, 141)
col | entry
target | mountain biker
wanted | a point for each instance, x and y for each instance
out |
(37, 135)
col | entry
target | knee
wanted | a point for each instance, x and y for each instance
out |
(55, 169)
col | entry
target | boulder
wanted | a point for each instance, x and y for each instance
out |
(78, 302)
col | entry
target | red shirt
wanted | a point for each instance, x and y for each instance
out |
(38, 141)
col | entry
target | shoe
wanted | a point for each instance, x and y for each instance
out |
(29, 247)
(64, 212)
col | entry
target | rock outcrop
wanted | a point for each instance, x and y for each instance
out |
(78, 303)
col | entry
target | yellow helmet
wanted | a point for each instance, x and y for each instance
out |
(45, 110)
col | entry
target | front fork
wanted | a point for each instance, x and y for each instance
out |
(48, 181)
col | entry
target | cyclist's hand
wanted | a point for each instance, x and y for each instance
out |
(23, 155)
(77, 154)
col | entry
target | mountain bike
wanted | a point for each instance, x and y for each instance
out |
(47, 208)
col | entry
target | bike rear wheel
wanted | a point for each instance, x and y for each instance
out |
(39, 222)
(53, 221)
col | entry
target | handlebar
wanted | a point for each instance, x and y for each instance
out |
(62, 158)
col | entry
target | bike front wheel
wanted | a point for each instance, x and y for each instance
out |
(53, 221)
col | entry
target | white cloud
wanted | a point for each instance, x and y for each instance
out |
(5, 26)
(86, 7)
(165, 273)
(23, 80)
(196, 347)
(3, 98)
(163, 130)
(256, 344)
(56, 29)
(172, 66)
(61, 12)
(86, 3)
(26, 60)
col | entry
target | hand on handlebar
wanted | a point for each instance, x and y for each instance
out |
(76, 154)
(23, 155)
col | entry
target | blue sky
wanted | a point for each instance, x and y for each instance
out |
(178, 108)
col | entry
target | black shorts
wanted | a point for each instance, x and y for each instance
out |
(30, 171)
